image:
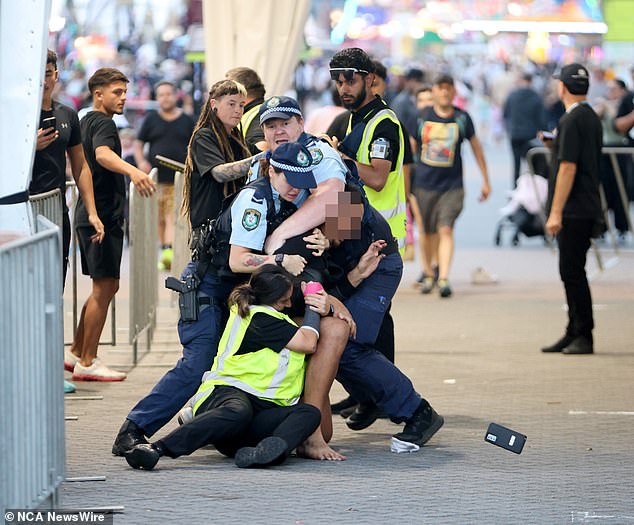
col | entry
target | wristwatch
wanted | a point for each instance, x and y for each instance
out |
(279, 259)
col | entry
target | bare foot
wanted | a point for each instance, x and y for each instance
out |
(318, 449)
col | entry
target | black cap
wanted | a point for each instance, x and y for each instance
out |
(575, 77)
(279, 107)
(443, 78)
(295, 161)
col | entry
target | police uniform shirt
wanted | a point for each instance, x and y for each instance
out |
(97, 129)
(385, 142)
(49, 166)
(207, 194)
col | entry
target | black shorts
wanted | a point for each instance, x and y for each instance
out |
(101, 260)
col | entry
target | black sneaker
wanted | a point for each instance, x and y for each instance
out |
(559, 345)
(144, 456)
(269, 451)
(363, 416)
(579, 345)
(444, 289)
(348, 402)
(419, 429)
(130, 435)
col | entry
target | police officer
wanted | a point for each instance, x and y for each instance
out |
(237, 240)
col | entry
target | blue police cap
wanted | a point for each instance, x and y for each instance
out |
(295, 161)
(279, 107)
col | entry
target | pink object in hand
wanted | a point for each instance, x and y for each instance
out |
(313, 288)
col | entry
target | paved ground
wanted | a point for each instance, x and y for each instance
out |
(475, 357)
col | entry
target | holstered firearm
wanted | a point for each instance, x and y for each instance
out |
(187, 295)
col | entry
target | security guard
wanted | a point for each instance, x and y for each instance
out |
(248, 403)
(374, 139)
(249, 124)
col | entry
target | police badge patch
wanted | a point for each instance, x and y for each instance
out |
(316, 154)
(250, 219)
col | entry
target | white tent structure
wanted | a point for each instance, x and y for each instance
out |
(265, 35)
(23, 37)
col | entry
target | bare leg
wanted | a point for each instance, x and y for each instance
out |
(445, 250)
(78, 341)
(94, 315)
(418, 219)
(430, 252)
(320, 374)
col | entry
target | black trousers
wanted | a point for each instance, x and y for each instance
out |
(574, 242)
(519, 147)
(612, 195)
(65, 244)
(231, 419)
(385, 338)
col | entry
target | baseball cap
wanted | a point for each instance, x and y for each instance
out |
(575, 77)
(279, 107)
(295, 161)
(443, 78)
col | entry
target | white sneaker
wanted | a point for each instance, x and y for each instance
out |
(96, 372)
(185, 415)
(70, 360)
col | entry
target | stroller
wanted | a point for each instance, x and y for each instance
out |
(524, 214)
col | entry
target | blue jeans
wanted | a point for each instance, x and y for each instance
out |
(363, 371)
(200, 344)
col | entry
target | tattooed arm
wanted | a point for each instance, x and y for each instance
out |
(231, 170)
(243, 260)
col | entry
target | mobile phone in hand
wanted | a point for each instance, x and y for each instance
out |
(49, 122)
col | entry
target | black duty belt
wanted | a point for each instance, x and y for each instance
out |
(212, 301)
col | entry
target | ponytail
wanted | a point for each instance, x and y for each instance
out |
(243, 297)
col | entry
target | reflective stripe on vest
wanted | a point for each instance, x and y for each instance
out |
(280, 376)
(247, 118)
(390, 202)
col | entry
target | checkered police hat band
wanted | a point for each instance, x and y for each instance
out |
(280, 109)
(288, 167)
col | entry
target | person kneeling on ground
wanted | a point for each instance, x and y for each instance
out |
(247, 405)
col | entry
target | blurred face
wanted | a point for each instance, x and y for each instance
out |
(424, 99)
(354, 91)
(443, 94)
(166, 97)
(277, 131)
(281, 185)
(111, 98)
(50, 78)
(229, 109)
(343, 218)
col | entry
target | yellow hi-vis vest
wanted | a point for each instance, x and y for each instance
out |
(269, 375)
(390, 202)
(247, 118)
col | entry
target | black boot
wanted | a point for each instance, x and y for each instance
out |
(130, 435)
(559, 345)
(344, 404)
(419, 428)
(270, 451)
(144, 456)
(363, 416)
(579, 345)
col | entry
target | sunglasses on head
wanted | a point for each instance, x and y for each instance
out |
(347, 72)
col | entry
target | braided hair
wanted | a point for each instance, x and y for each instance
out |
(209, 119)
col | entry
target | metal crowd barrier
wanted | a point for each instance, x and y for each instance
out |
(143, 267)
(32, 454)
(181, 230)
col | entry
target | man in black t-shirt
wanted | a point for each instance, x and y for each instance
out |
(102, 148)
(49, 166)
(574, 206)
(167, 132)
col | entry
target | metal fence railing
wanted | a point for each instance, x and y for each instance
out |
(32, 454)
(181, 230)
(143, 267)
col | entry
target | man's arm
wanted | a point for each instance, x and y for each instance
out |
(310, 215)
(565, 180)
(83, 179)
(139, 157)
(231, 170)
(485, 191)
(374, 175)
(625, 123)
(112, 162)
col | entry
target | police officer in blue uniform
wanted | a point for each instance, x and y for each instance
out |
(244, 220)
